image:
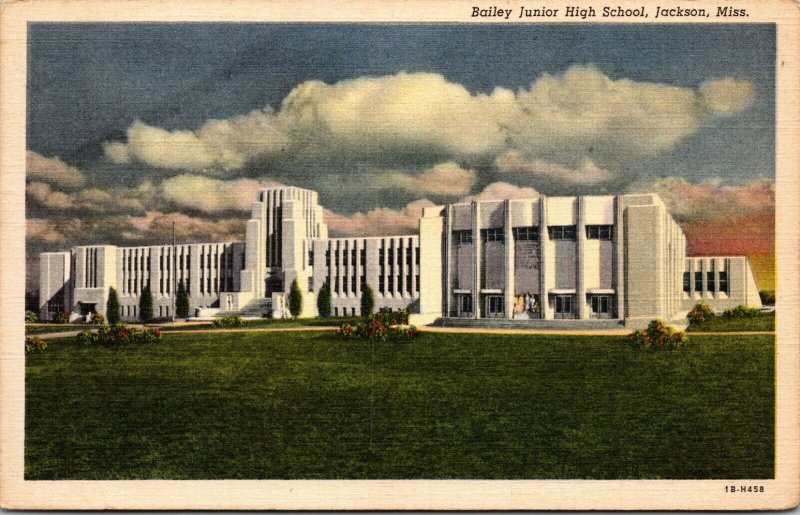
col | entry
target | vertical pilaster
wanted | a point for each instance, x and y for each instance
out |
(547, 311)
(580, 282)
(619, 258)
(448, 261)
(509, 271)
(476, 259)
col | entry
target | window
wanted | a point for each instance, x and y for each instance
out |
(353, 256)
(353, 284)
(599, 232)
(687, 282)
(363, 256)
(310, 257)
(416, 284)
(336, 284)
(710, 281)
(345, 260)
(462, 237)
(489, 235)
(311, 283)
(408, 283)
(562, 232)
(723, 282)
(380, 284)
(417, 253)
(328, 258)
(698, 281)
(526, 233)
(391, 283)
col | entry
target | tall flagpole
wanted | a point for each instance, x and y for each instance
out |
(174, 273)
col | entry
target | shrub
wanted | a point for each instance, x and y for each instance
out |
(112, 306)
(62, 317)
(228, 321)
(367, 300)
(657, 336)
(98, 319)
(31, 317)
(377, 327)
(767, 297)
(701, 312)
(741, 312)
(389, 317)
(295, 299)
(34, 345)
(324, 300)
(118, 334)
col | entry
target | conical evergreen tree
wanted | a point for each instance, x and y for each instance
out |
(324, 300)
(146, 305)
(112, 307)
(182, 302)
(367, 300)
(295, 299)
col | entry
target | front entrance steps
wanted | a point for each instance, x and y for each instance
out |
(256, 308)
(504, 323)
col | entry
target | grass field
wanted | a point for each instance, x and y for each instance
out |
(307, 405)
(761, 322)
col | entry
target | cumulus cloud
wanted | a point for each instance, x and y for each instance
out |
(212, 195)
(52, 170)
(728, 95)
(378, 222)
(156, 226)
(447, 179)
(693, 202)
(501, 191)
(91, 199)
(417, 119)
(587, 174)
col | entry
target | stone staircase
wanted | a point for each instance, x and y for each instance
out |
(502, 323)
(256, 308)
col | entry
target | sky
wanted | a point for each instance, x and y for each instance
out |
(134, 126)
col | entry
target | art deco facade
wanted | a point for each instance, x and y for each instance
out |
(570, 261)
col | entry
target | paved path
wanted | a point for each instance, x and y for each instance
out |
(424, 329)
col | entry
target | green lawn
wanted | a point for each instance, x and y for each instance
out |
(269, 322)
(307, 405)
(31, 329)
(760, 322)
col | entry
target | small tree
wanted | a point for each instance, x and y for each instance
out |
(146, 305)
(112, 307)
(324, 300)
(367, 300)
(295, 299)
(181, 302)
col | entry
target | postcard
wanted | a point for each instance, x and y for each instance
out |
(349, 255)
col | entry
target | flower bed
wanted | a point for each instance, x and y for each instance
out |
(657, 336)
(382, 326)
(34, 345)
(119, 334)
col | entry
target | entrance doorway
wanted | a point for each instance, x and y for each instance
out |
(494, 306)
(564, 306)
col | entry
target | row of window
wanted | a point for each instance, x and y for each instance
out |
(711, 282)
(531, 233)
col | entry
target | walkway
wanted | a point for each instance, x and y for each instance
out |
(424, 329)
